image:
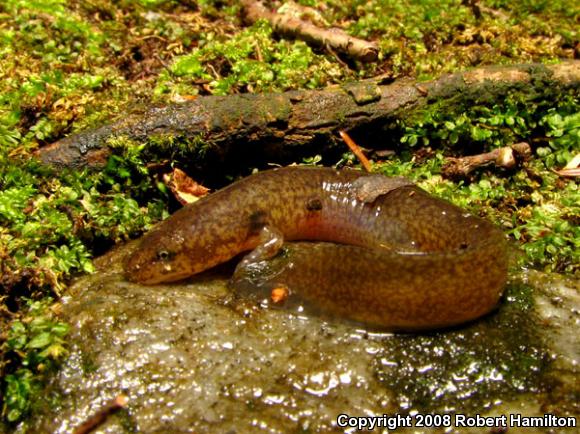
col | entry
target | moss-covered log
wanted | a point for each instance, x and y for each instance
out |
(296, 122)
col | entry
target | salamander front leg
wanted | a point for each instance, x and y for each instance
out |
(270, 241)
(258, 274)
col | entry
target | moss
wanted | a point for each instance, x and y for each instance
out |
(34, 345)
(51, 225)
(252, 61)
(177, 148)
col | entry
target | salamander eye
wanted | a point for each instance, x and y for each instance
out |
(163, 255)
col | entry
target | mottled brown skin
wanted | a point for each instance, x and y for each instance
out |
(405, 260)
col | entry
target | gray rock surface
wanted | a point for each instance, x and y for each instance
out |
(192, 359)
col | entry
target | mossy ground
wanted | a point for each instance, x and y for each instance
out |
(70, 65)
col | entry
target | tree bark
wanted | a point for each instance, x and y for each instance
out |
(296, 122)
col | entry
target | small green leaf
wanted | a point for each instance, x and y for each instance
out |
(40, 341)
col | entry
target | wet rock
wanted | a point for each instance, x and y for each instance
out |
(192, 358)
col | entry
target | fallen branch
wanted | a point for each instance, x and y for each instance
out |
(506, 157)
(284, 127)
(336, 39)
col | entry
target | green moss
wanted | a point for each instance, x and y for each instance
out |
(249, 61)
(426, 38)
(50, 227)
(35, 344)
(177, 148)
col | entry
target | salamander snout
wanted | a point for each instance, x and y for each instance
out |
(133, 266)
(154, 262)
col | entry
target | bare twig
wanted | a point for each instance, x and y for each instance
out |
(356, 150)
(335, 38)
(501, 157)
(97, 419)
(569, 173)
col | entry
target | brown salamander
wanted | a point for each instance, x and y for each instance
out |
(391, 255)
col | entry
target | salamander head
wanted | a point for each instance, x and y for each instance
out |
(158, 258)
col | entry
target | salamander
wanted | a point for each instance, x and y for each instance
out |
(366, 247)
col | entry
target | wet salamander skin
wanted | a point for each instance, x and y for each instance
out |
(400, 260)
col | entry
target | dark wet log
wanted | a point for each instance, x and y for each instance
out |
(293, 122)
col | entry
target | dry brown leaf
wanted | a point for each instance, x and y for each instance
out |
(185, 189)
